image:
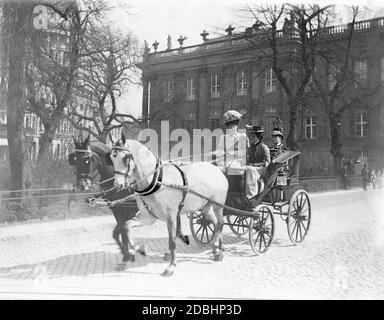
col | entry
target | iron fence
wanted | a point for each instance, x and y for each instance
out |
(45, 204)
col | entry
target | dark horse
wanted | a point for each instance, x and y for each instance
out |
(92, 159)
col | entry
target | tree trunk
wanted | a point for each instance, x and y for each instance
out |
(46, 142)
(336, 145)
(292, 138)
(16, 100)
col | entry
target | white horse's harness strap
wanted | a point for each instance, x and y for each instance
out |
(156, 181)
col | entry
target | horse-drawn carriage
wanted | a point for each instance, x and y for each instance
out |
(206, 196)
(281, 196)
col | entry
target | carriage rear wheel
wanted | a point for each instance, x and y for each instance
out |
(238, 224)
(299, 216)
(203, 230)
(261, 229)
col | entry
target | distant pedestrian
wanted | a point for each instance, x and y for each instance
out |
(372, 178)
(365, 176)
(344, 177)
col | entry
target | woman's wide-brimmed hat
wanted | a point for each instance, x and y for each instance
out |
(231, 115)
(254, 129)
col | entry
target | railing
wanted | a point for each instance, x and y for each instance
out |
(45, 204)
(337, 29)
(362, 25)
(237, 42)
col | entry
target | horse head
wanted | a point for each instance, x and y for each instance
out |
(132, 161)
(89, 161)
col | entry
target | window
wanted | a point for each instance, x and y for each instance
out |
(27, 121)
(167, 90)
(270, 122)
(310, 126)
(242, 84)
(191, 88)
(361, 124)
(215, 86)
(269, 80)
(3, 117)
(361, 73)
(333, 72)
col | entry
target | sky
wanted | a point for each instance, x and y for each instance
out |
(153, 20)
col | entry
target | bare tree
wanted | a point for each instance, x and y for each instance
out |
(285, 38)
(109, 67)
(338, 87)
(56, 55)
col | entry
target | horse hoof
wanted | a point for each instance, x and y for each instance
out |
(167, 273)
(121, 267)
(141, 250)
(129, 258)
(186, 240)
(167, 257)
(218, 256)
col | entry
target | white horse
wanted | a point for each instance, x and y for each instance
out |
(137, 166)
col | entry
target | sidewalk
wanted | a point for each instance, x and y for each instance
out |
(52, 226)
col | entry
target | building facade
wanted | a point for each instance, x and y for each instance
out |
(193, 87)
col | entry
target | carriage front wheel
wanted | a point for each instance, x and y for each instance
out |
(261, 229)
(202, 229)
(238, 224)
(299, 216)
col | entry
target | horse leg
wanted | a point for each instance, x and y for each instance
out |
(123, 245)
(172, 235)
(136, 248)
(180, 235)
(218, 250)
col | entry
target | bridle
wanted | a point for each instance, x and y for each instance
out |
(128, 157)
(91, 154)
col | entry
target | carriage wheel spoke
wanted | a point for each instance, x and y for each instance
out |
(299, 227)
(199, 229)
(209, 226)
(304, 227)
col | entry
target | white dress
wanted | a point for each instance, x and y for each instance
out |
(232, 150)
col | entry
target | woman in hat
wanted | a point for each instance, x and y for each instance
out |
(277, 137)
(232, 145)
(259, 159)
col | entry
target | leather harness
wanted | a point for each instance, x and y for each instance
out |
(156, 183)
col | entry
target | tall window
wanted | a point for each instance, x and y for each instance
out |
(27, 121)
(269, 80)
(361, 73)
(191, 88)
(167, 90)
(310, 126)
(242, 84)
(3, 117)
(215, 86)
(361, 124)
(270, 122)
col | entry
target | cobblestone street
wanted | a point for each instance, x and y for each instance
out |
(342, 258)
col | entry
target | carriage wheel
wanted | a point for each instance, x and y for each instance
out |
(261, 229)
(299, 216)
(238, 224)
(203, 230)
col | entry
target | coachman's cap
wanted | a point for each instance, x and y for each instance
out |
(254, 129)
(277, 132)
(231, 115)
